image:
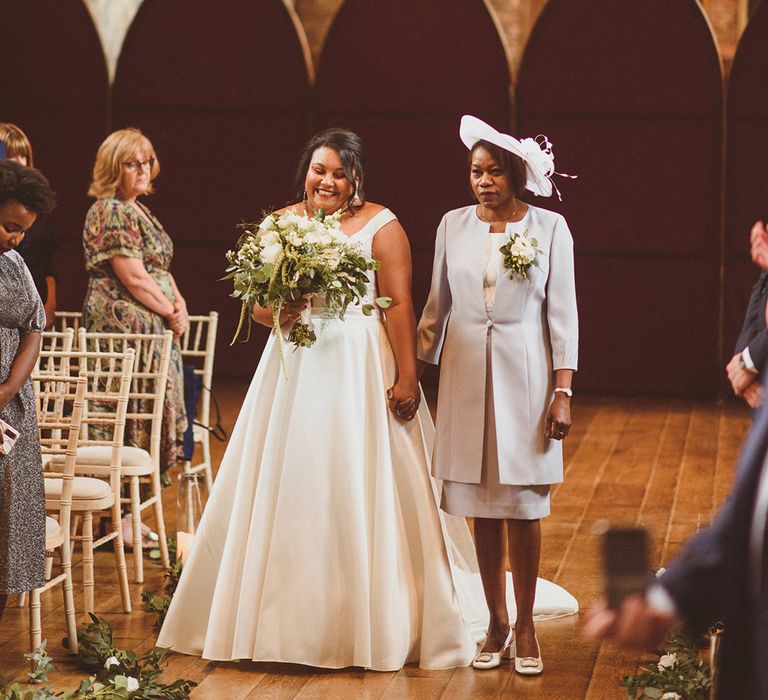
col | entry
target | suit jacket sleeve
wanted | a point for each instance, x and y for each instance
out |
(711, 571)
(695, 580)
(434, 318)
(754, 333)
(562, 315)
(758, 350)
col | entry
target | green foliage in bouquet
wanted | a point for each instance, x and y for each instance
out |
(298, 257)
(680, 674)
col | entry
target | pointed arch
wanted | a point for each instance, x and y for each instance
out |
(401, 74)
(55, 89)
(631, 96)
(224, 97)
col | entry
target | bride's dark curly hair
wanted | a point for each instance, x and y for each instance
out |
(349, 146)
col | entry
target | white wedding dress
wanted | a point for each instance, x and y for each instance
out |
(322, 543)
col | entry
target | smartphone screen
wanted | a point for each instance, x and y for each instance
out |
(626, 566)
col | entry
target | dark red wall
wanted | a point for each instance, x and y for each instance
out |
(630, 94)
(401, 74)
(222, 90)
(746, 167)
(632, 101)
(53, 83)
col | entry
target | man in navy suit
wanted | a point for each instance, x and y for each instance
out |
(750, 357)
(722, 574)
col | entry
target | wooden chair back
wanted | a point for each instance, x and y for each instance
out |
(152, 355)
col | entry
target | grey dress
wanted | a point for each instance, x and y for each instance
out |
(22, 491)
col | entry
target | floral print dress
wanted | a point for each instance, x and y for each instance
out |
(114, 227)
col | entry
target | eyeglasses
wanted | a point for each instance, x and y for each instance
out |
(136, 165)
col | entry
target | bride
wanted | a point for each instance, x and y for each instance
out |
(321, 543)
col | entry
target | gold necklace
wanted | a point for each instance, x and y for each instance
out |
(512, 216)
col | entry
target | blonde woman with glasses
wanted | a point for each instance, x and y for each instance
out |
(128, 258)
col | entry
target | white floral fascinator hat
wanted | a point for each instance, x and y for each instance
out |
(537, 153)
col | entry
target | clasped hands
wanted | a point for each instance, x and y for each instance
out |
(404, 399)
(292, 309)
(178, 320)
(744, 382)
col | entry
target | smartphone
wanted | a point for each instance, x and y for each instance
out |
(10, 435)
(626, 562)
(3, 151)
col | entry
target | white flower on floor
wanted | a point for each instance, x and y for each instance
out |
(667, 661)
(111, 661)
(671, 696)
(131, 683)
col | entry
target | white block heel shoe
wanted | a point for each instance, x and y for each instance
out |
(528, 665)
(492, 659)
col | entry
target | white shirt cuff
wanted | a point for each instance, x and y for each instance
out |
(747, 359)
(660, 600)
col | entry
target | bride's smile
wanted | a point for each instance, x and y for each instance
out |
(326, 184)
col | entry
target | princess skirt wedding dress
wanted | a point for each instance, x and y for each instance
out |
(322, 543)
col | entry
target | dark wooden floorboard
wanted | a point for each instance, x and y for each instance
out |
(665, 464)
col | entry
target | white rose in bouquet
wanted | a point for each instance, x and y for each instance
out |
(299, 256)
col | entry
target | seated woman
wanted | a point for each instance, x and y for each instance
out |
(24, 195)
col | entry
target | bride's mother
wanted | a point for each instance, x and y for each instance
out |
(507, 345)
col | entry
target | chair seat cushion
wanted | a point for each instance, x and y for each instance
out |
(133, 458)
(52, 529)
(84, 488)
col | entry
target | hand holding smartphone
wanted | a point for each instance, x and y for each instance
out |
(9, 437)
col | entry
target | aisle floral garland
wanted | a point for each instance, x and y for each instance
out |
(116, 674)
(160, 602)
(679, 674)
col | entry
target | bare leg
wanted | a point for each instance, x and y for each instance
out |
(524, 555)
(489, 543)
(3, 601)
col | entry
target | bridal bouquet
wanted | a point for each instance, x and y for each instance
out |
(294, 257)
(520, 255)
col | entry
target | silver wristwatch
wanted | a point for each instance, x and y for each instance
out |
(564, 390)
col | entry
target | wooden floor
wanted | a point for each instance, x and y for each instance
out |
(667, 464)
